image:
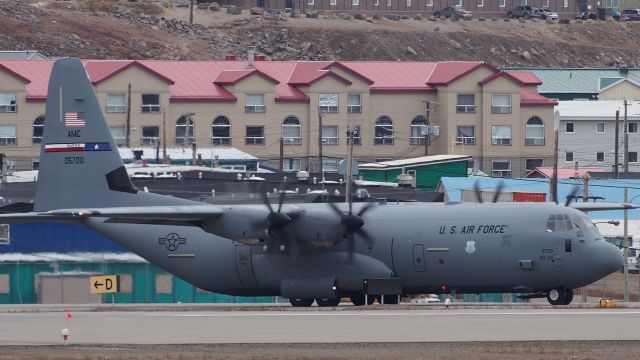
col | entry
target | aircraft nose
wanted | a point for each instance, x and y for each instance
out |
(611, 259)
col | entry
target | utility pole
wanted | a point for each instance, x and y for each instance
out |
(164, 136)
(320, 114)
(626, 139)
(350, 133)
(426, 135)
(626, 247)
(128, 130)
(281, 167)
(585, 197)
(554, 176)
(616, 146)
(191, 12)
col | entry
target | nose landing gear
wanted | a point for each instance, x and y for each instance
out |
(560, 296)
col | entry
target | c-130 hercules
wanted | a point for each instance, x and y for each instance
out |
(307, 252)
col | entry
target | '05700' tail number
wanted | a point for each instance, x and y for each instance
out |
(74, 160)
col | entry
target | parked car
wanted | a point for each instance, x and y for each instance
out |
(630, 15)
(616, 15)
(453, 12)
(586, 15)
(547, 14)
(524, 11)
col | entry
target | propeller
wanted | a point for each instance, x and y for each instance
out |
(571, 196)
(276, 222)
(351, 224)
(496, 195)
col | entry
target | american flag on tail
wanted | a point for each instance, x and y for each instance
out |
(74, 119)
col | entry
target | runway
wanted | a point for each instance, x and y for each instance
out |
(300, 326)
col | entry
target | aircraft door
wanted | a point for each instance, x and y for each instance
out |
(244, 265)
(419, 263)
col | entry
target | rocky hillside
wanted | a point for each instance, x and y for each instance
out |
(112, 29)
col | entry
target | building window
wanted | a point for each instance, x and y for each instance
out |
(501, 135)
(600, 156)
(254, 103)
(116, 103)
(8, 102)
(291, 131)
(532, 164)
(355, 2)
(479, 3)
(429, 3)
(534, 131)
(35, 164)
(330, 164)
(632, 127)
(501, 103)
(383, 131)
(599, 128)
(164, 284)
(376, 2)
(117, 133)
(150, 135)
(353, 103)
(291, 165)
(501, 167)
(566, 3)
(612, 3)
(569, 128)
(568, 156)
(150, 103)
(458, 3)
(310, 2)
(388, 3)
(466, 135)
(502, 3)
(7, 135)
(38, 130)
(254, 135)
(418, 130)
(221, 131)
(5, 238)
(466, 103)
(633, 157)
(328, 103)
(184, 130)
(330, 134)
(357, 140)
(333, 2)
(408, 3)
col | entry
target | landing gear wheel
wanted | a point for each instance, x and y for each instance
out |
(358, 300)
(328, 302)
(298, 302)
(390, 299)
(557, 296)
(568, 297)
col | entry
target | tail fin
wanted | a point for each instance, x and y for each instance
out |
(79, 163)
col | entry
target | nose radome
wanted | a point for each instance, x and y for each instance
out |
(611, 260)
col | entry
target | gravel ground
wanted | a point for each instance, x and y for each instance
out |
(564, 350)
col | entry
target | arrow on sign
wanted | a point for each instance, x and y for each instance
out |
(97, 284)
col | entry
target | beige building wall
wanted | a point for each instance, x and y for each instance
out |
(402, 108)
(624, 90)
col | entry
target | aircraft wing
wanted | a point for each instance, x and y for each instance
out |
(602, 206)
(167, 213)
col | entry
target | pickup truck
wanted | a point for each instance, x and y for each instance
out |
(524, 11)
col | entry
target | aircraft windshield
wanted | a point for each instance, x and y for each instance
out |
(583, 222)
(559, 222)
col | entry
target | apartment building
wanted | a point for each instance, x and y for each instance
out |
(496, 117)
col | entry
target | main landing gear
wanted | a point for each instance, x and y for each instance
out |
(300, 302)
(560, 296)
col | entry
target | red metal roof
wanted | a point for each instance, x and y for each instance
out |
(527, 77)
(203, 80)
(528, 98)
(563, 173)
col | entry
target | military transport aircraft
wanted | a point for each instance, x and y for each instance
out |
(307, 252)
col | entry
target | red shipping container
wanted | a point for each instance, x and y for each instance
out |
(529, 196)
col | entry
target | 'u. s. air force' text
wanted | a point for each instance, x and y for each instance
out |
(473, 229)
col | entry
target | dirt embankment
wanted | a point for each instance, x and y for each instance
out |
(111, 29)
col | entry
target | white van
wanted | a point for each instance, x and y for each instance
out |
(615, 235)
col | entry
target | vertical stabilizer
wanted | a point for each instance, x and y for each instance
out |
(79, 163)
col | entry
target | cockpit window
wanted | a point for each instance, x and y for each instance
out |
(559, 222)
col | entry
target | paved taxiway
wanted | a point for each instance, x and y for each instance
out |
(345, 326)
